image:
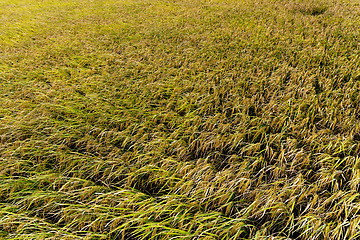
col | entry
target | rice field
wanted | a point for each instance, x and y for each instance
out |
(180, 119)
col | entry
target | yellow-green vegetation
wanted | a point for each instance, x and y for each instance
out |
(179, 119)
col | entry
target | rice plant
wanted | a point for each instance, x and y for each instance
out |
(158, 119)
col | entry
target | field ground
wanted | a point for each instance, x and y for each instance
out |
(179, 119)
